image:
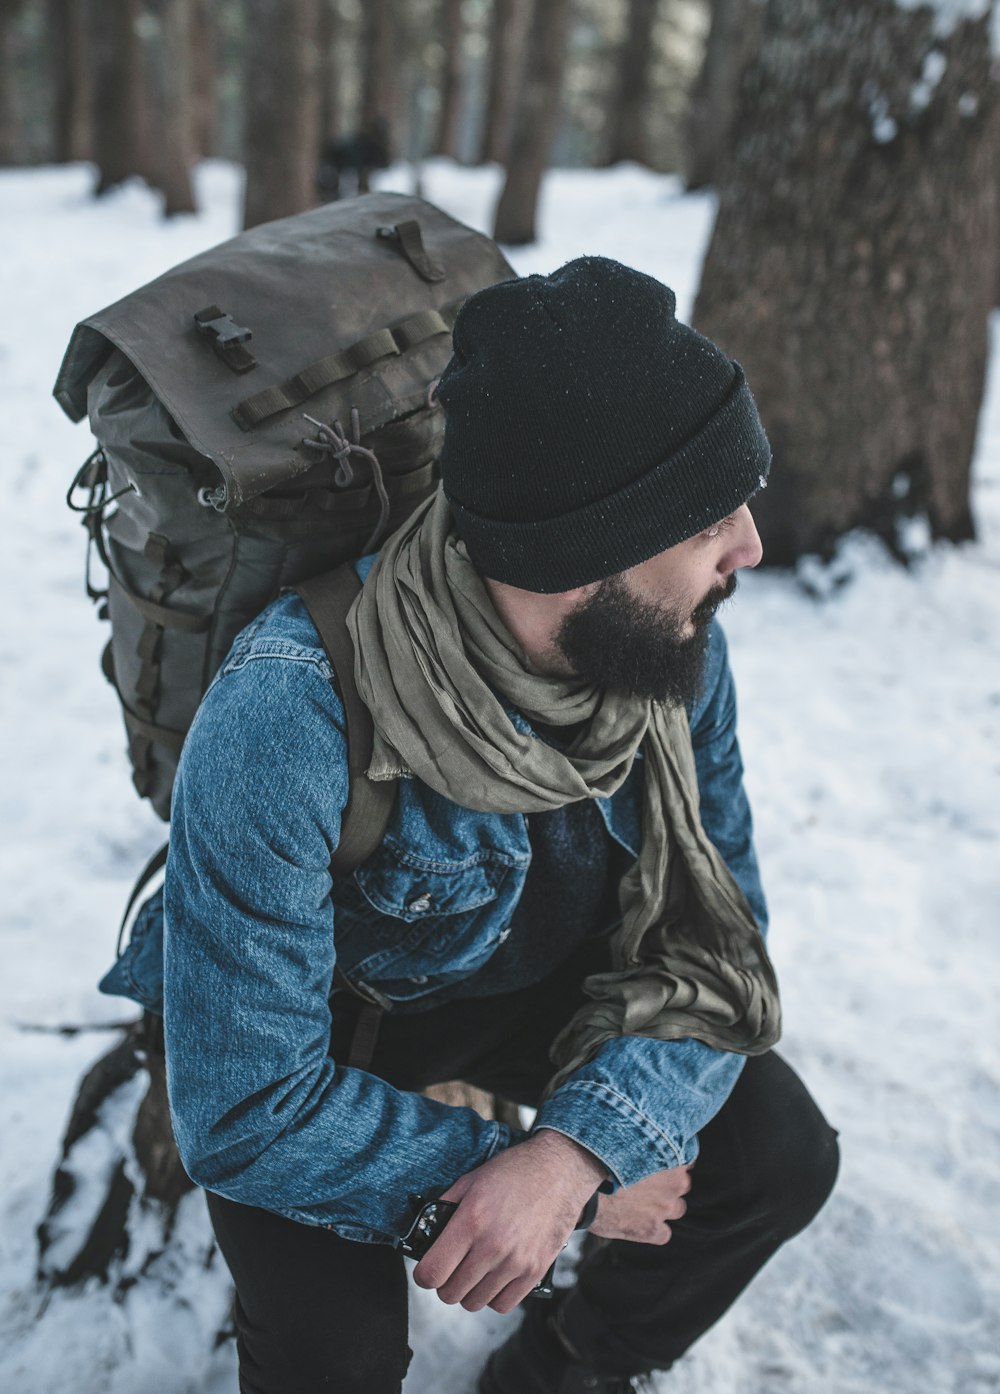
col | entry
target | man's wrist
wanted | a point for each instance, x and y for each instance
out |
(571, 1155)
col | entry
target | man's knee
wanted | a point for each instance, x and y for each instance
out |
(790, 1152)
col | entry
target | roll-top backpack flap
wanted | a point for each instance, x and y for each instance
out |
(338, 316)
(263, 415)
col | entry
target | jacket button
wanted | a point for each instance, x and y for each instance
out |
(418, 906)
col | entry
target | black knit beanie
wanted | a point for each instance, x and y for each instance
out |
(586, 429)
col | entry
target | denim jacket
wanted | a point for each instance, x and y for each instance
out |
(238, 953)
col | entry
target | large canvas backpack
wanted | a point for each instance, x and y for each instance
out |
(263, 415)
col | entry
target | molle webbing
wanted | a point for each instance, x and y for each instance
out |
(337, 366)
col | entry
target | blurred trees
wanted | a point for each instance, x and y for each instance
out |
(105, 79)
(854, 263)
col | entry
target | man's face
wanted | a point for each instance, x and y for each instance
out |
(645, 632)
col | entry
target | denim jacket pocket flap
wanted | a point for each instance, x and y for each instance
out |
(412, 889)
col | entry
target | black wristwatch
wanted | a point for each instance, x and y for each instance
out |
(433, 1214)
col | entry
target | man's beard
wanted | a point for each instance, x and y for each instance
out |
(620, 642)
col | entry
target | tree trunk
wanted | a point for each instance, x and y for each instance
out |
(204, 79)
(446, 142)
(171, 86)
(853, 265)
(536, 123)
(282, 126)
(329, 122)
(626, 134)
(507, 36)
(10, 106)
(732, 42)
(120, 128)
(68, 39)
(380, 85)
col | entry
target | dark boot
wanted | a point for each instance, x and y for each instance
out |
(537, 1359)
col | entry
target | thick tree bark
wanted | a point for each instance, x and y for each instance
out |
(68, 40)
(853, 265)
(380, 91)
(120, 141)
(627, 136)
(171, 86)
(446, 142)
(507, 36)
(536, 123)
(282, 127)
(732, 42)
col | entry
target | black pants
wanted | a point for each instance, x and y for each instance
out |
(315, 1311)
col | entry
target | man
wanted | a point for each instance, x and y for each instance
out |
(537, 649)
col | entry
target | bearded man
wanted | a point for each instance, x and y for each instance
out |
(565, 908)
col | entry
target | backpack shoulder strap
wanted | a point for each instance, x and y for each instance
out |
(369, 803)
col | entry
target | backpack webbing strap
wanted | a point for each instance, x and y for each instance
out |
(382, 343)
(156, 862)
(369, 803)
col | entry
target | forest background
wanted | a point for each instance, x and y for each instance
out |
(845, 250)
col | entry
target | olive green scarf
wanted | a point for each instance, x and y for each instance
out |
(432, 654)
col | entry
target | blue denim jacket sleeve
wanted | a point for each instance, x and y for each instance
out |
(639, 1104)
(262, 1114)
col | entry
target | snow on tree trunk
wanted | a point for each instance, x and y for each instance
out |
(732, 42)
(853, 264)
(282, 105)
(536, 122)
(627, 136)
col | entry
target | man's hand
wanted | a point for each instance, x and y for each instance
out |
(515, 1213)
(641, 1212)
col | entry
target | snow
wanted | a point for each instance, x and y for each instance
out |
(949, 14)
(870, 710)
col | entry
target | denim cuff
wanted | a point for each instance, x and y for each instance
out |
(629, 1143)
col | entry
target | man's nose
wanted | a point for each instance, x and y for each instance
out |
(746, 549)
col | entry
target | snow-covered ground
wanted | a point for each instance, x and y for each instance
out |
(869, 725)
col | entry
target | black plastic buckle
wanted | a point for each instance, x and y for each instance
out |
(227, 338)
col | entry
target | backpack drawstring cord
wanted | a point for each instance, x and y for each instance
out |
(332, 440)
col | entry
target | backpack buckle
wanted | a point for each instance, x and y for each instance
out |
(227, 338)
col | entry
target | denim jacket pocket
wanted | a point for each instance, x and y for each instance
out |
(414, 925)
(138, 971)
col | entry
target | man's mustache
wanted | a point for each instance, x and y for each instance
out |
(703, 612)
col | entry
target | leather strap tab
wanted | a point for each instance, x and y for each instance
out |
(410, 241)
